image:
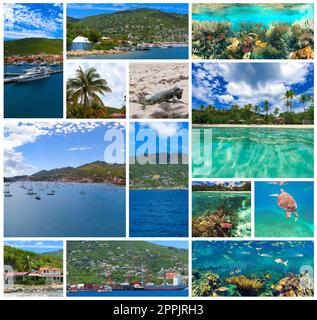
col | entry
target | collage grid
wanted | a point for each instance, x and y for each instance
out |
(127, 122)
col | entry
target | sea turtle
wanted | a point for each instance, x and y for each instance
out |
(287, 203)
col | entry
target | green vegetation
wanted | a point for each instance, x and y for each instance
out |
(94, 172)
(91, 261)
(250, 114)
(29, 46)
(83, 95)
(159, 176)
(24, 261)
(139, 25)
(220, 187)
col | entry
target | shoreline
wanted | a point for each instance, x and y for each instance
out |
(281, 126)
(68, 182)
(225, 191)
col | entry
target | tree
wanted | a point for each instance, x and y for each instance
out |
(289, 96)
(235, 107)
(86, 87)
(266, 106)
(303, 99)
(276, 112)
(256, 109)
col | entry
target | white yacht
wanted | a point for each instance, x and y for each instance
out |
(34, 74)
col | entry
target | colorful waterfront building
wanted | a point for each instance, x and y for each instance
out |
(80, 43)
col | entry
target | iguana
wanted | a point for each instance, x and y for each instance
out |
(163, 96)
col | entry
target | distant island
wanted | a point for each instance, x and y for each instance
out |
(159, 176)
(225, 186)
(114, 262)
(95, 172)
(127, 29)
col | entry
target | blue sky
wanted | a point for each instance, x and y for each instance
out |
(223, 85)
(37, 246)
(164, 130)
(176, 244)
(82, 10)
(25, 20)
(31, 147)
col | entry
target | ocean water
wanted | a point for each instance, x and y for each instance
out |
(159, 213)
(266, 15)
(203, 203)
(270, 220)
(155, 53)
(98, 213)
(253, 153)
(131, 293)
(35, 99)
(254, 260)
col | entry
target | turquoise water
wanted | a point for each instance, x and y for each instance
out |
(155, 53)
(253, 153)
(35, 99)
(254, 260)
(158, 213)
(98, 213)
(204, 203)
(270, 220)
(249, 13)
(131, 293)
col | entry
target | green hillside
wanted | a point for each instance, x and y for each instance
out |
(158, 176)
(29, 46)
(22, 260)
(139, 25)
(97, 171)
(89, 261)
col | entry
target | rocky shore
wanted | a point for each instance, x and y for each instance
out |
(41, 291)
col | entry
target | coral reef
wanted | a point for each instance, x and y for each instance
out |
(246, 286)
(205, 285)
(294, 285)
(218, 40)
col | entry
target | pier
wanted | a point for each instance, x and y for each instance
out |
(15, 75)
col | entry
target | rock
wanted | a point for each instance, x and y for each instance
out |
(159, 114)
(305, 53)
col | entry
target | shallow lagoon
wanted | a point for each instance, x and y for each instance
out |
(253, 153)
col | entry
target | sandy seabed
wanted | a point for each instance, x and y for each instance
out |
(148, 79)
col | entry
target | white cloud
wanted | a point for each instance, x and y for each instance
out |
(226, 98)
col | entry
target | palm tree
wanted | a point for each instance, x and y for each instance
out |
(256, 109)
(303, 99)
(235, 107)
(248, 107)
(289, 96)
(86, 88)
(266, 106)
(276, 112)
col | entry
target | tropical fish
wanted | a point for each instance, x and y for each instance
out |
(280, 261)
(258, 249)
(299, 255)
(264, 255)
(268, 275)
(222, 289)
(287, 203)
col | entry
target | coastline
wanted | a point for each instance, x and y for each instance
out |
(32, 290)
(282, 126)
(225, 191)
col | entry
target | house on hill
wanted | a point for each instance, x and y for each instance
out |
(80, 43)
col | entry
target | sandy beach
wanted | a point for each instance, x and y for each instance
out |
(148, 79)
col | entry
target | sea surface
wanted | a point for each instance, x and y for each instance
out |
(35, 99)
(155, 53)
(131, 293)
(270, 219)
(254, 260)
(204, 203)
(266, 15)
(253, 153)
(159, 213)
(98, 213)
